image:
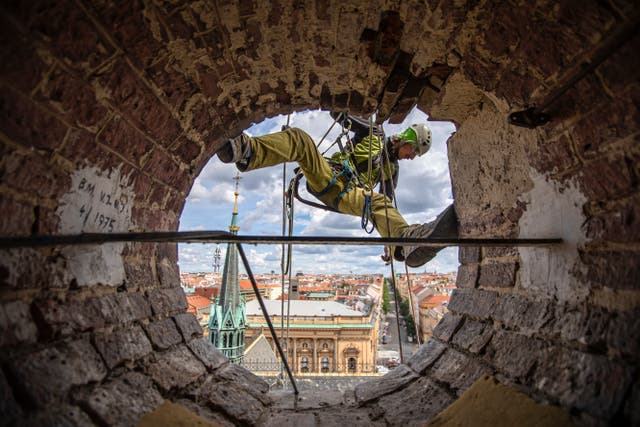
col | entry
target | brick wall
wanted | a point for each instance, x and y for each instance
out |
(108, 112)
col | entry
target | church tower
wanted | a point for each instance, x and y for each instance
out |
(228, 319)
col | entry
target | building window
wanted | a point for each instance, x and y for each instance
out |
(305, 345)
(352, 364)
(325, 346)
(304, 365)
(325, 364)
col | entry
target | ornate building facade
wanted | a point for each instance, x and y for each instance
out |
(227, 321)
(323, 337)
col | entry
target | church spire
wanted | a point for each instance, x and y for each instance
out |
(227, 322)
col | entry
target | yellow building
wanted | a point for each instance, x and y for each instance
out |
(324, 337)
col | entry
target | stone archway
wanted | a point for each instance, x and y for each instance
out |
(126, 102)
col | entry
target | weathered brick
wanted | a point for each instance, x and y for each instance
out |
(232, 399)
(163, 333)
(48, 374)
(168, 274)
(132, 391)
(204, 350)
(59, 415)
(475, 303)
(76, 315)
(400, 377)
(16, 324)
(125, 140)
(621, 224)
(189, 326)
(254, 385)
(473, 336)
(427, 400)
(606, 178)
(587, 382)
(20, 222)
(469, 254)
(614, 269)
(458, 370)
(585, 325)
(139, 104)
(513, 354)
(447, 326)
(176, 368)
(523, 314)
(168, 301)
(123, 346)
(426, 355)
(497, 275)
(467, 276)
(34, 174)
(24, 122)
(30, 268)
(138, 274)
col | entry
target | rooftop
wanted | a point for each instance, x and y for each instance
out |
(303, 308)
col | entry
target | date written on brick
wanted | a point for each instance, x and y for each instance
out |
(97, 201)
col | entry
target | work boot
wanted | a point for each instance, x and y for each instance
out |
(444, 226)
(237, 150)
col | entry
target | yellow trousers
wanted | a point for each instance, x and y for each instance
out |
(295, 145)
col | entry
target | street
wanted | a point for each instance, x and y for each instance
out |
(391, 349)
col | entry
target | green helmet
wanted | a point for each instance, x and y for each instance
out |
(419, 136)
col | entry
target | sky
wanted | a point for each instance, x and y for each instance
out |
(424, 190)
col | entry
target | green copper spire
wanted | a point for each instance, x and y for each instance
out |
(228, 319)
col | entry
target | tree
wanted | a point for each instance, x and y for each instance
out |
(386, 302)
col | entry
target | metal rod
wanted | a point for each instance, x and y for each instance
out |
(226, 237)
(274, 335)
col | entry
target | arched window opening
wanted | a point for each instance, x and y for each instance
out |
(325, 365)
(304, 365)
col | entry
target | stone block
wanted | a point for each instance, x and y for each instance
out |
(469, 254)
(16, 324)
(207, 353)
(553, 156)
(497, 275)
(458, 370)
(59, 415)
(473, 336)
(426, 355)
(48, 374)
(587, 382)
(232, 399)
(176, 368)
(396, 379)
(189, 326)
(138, 275)
(168, 301)
(246, 379)
(421, 400)
(513, 354)
(291, 419)
(29, 269)
(447, 326)
(307, 399)
(619, 224)
(123, 346)
(475, 303)
(467, 276)
(123, 400)
(163, 334)
(76, 315)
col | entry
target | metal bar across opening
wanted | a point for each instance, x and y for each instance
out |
(226, 237)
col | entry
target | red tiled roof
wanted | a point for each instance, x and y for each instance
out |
(435, 301)
(197, 301)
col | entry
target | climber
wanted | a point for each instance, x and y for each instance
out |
(344, 180)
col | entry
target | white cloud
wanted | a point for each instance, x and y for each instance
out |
(423, 191)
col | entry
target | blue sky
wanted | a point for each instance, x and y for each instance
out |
(424, 190)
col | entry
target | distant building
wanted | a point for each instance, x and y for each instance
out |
(325, 337)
